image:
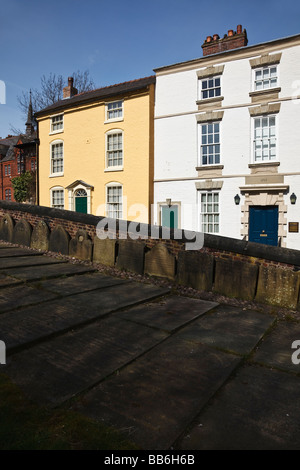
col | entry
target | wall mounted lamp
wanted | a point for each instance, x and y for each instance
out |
(237, 199)
(293, 198)
(169, 202)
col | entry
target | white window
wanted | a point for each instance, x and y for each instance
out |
(210, 215)
(210, 144)
(57, 158)
(210, 87)
(264, 139)
(57, 123)
(114, 111)
(114, 197)
(57, 198)
(114, 149)
(265, 77)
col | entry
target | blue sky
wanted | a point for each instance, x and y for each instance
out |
(119, 40)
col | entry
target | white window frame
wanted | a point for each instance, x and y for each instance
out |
(121, 107)
(270, 86)
(57, 173)
(203, 226)
(107, 135)
(214, 88)
(52, 190)
(201, 145)
(107, 202)
(269, 160)
(52, 123)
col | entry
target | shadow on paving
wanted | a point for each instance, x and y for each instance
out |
(168, 371)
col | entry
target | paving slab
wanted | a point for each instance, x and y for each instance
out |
(15, 252)
(230, 328)
(276, 348)
(168, 313)
(8, 281)
(56, 370)
(259, 409)
(25, 261)
(34, 273)
(155, 397)
(20, 296)
(76, 284)
(30, 324)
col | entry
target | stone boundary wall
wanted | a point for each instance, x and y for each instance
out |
(234, 268)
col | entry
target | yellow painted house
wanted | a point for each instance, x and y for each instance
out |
(96, 152)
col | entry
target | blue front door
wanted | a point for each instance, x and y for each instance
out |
(263, 225)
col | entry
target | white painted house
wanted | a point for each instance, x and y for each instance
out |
(227, 141)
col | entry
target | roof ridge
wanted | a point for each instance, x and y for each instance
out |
(114, 85)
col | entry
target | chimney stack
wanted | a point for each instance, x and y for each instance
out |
(234, 40)
(69, 90)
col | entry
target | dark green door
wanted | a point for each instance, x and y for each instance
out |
(81, 201)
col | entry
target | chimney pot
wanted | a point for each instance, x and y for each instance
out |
(230, 32)
(239, 29)
(208, 39)
(70, 81)
(216, 37)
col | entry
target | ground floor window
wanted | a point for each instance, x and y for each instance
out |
(8, 194)
(210, 213)
(57, 198)
(114, 196)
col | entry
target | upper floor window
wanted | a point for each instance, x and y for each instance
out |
(210, 87)
(264, 138)
(210, 143)
(114, 149)
(265, 77)
(114, 111)
(57, 123)
(57, 158)
(7, 170)
(114, 196)
(57, 198)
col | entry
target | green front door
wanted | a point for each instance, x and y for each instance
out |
(81, 201)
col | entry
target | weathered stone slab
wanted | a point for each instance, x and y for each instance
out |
(131, 256)
(158, 395)
(277, 286)
(81, 246)
(168, 313)
(229, 328)
(15, 297)
(196, 270)
(79, 359)
(22, 233)
(259, 409)
(8, 281)
(59, 240)
(36, 273)
(6, 228)
(104, 251)
(14, 252)
(276, 349)
(160, 262)
(23, 261)
(40, 236)
(235, 278)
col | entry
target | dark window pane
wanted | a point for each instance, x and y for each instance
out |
(204, 94)
(218, 91)
(211, 93)
(217, 82)
(210, 83)
(204, 84)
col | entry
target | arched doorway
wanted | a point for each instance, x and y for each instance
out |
(81, 201)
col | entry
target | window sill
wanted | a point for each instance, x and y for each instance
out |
(265, 91)
(210, 100)
(210, 167)
(108, 121)
(266, 164)
(54, 175)
(56, 132)
(119, 168)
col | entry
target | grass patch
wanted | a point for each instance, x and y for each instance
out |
(25, 426)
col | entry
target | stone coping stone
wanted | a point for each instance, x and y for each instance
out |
(56, 370)
(20, 296)
(229, 328)
(276, 349)
(168, 313)
(25, 261)
(31, 324)
(76, 284)
(36, 273)
(236, 279)
(157, 396)
(258, 409)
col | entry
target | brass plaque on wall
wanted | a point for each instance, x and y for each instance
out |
(294, 227)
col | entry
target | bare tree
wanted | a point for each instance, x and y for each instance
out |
(51, 90)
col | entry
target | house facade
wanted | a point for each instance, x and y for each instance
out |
(96, 151)
(227, 141)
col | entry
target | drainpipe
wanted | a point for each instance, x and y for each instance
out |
(37, 180)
